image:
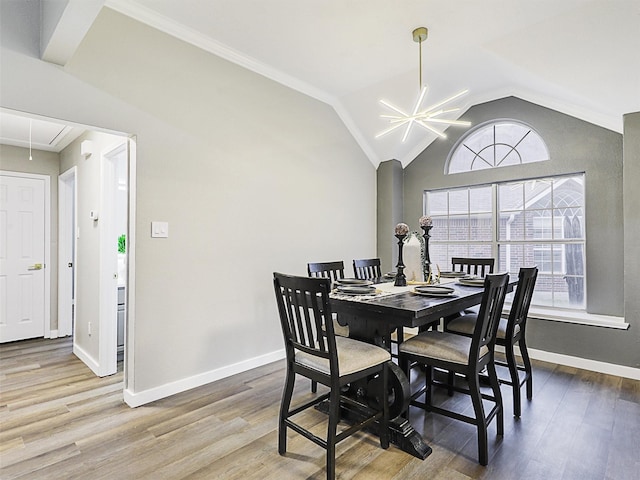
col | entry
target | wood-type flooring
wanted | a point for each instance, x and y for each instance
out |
(59, 421)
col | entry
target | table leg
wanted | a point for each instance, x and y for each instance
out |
(402, 433)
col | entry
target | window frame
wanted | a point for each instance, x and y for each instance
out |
(497, 243)
(460, 144)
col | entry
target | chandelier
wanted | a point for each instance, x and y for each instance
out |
(422, 117)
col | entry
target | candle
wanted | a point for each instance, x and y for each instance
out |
(402, 229)
(425, 221)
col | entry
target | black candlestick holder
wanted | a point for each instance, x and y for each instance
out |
(426, 237)
(401, 279)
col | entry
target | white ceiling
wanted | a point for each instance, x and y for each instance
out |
(579, 57)
(36, 133)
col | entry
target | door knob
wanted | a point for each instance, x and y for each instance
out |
(36, 266)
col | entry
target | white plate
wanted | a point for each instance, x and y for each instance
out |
(452, 274)
(425, 294)
(353, 281)
(356, 290)
(476, 282)
(433, 289)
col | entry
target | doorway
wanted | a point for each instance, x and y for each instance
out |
(67, 233)
(113, 255)
(24, 256)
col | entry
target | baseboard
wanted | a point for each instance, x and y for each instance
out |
(136, 399)
(585, 364)
(87, 359)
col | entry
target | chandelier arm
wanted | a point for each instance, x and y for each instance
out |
(462, 123)
(406, 132)
(392, 107)
(447, 100)
(430, 128)
(391, 129)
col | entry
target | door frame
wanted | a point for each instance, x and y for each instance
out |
(67, 215)
(47, 243)
(108, 349)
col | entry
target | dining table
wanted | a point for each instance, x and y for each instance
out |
(374, 317)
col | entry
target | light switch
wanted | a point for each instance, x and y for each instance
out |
(159, 229)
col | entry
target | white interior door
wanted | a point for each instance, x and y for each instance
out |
(22, 257)
(67, 231)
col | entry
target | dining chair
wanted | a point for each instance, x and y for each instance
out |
(467, 357)
(473, 266)
(367, 269)
(511, 332)
(314, 351)
(331, 270)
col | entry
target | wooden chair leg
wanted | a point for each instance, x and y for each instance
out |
(515, 379)
(481, 424)
(285, 405)
(497, 395)
(334, 417)
(314, 386)
(429, 384)
(527, 366)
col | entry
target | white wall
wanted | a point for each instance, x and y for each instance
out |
(251, 176)
(88, 243)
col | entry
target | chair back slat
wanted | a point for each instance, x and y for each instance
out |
(522, 300)
(331, 270)
(303, 306)
(473, 266)
(495, 291)
(366, 269)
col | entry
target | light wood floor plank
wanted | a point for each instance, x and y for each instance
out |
(59, 421)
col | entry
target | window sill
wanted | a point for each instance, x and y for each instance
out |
(578, 317)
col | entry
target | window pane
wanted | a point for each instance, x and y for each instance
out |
(480, 251)
(510, 196)
(480, 200)
(437, 203)
(539, 225)
(481, 227)
(440, 230)
(497, 144)
(569, 223)
(511, 258)
(511, 226)
(458, 201)
(458, 228)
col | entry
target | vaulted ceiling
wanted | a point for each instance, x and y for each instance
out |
(579, 57)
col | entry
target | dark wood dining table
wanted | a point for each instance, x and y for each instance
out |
(373, 319)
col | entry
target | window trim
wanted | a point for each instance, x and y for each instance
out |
(460, 142)
(555, 313)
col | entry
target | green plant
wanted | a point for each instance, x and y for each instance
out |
(122, 243)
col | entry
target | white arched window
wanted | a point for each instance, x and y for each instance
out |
(497, 144)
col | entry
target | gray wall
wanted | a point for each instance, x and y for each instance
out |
(16, 159)
(389, 211)
(631, 170)
(244, 169)
(574, 146)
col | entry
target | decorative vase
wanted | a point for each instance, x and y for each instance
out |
(401, 279)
